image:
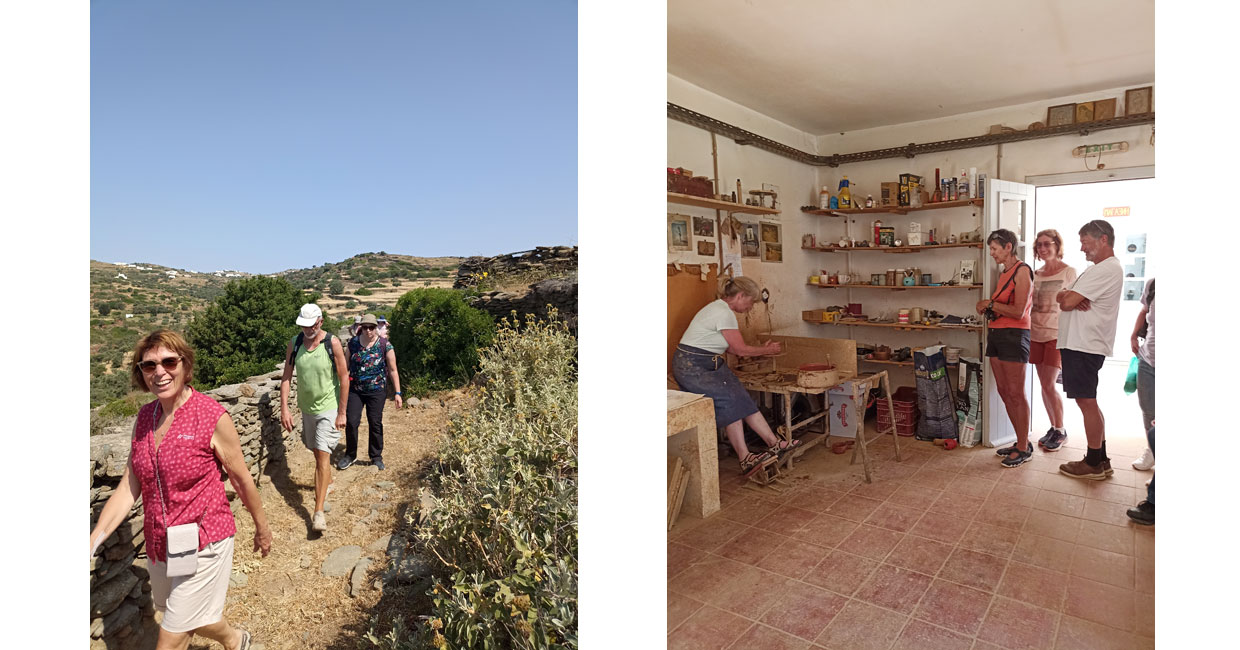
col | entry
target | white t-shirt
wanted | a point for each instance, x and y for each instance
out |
(1146, 349)
(706, 329)
(1093, 331)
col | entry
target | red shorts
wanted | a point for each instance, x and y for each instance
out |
(1044, 354)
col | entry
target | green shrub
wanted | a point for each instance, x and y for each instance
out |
(337, 286)
(105, 388)
(363, 291)
(437, 337)
(127, 406)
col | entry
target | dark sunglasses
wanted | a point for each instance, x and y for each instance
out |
(367, 327)
(169, 364)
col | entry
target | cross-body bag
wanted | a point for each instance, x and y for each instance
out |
(182, 546)
(989, 311)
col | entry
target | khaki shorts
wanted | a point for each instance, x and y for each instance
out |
(190, 602)
(319, 432)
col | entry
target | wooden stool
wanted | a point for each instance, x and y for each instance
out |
(861, 394)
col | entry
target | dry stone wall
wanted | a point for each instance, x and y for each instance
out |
(560, 292)
(548, 258)
(121, 607)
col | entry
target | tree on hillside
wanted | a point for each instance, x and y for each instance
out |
(437, 337)
(245, 331)
(337, 286)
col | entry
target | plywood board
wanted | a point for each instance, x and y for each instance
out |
(686, 295)
(800, 350)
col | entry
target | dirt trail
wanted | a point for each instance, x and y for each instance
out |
(286, 601)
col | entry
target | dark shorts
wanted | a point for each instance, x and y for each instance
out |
(1008, 344)
(699, 371)
(1045, 354)
(1080, 373)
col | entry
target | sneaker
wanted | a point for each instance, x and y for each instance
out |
(1020, 458)
(1049, 432)
(1146, 462)
(1003, 451)
(1082, 469)
(320, 522)
(344, 462)
(1106, 467)
(1055, 441)
(378, 462)
(1142, 514)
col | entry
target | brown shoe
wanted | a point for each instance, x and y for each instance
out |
(1106, 467)
(1082, 469)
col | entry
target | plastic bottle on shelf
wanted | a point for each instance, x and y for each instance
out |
(869, 200)
(845, 194)
(824, 199)
(962, 186)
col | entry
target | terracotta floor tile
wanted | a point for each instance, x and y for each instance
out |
(1107, 512)
(1059, 503)
(1103, 566)
(955, 607)
(932, 478)
(815, 498)
(940, 527)
(1066, 485)
(994, 540)
(1003, 514)
(707, 576)
(893, 517)
(972, 486)
(1107, 491)
(894, 588)
(957, 505)
(1145, 577)
(1049, 524)
(1100, 603)
(919, 635)
(1143, 613)
(878, 490)
(919, 554)
(1079, 634)
(786, 520)
(1018, 626)
(681, 557)
(793, 558)
(1143, 540)
(892, 471)
(1021, 495)
(709, 627)
(871, 541)
(914, 496)
(1045, 463)
(1034, 585)
(1125, 475)
(973, 569)
(680, 608)
(982, 645)
(853, 508)
(826, 530)
(748, 510)
(947, 462)
(1117, 539)
(914, 457)
(804, 610)
(984, 466)
(1042, 551)
(862, 626)
(751, 546)
(712, 533)
(841, 572)
(749, 593)
(761, 637)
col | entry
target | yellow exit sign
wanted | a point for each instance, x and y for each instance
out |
(1117, 212)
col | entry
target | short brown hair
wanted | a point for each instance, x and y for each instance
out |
(1054, 235)
(731, 286)
(160, 338)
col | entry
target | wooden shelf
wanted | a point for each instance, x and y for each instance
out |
(903, 209)
(862, 359)
(888, 249)
(702, 202)
(892, 288)
(899, 326)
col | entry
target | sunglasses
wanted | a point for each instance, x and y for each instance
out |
(367, 327)
(169, 364)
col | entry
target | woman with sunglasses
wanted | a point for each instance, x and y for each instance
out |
(1007, 339)
(372, 363)
(1044, 331)
(180, 442)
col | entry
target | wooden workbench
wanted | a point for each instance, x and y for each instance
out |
(692, 436)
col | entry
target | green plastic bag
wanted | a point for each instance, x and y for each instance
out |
(1130, 384)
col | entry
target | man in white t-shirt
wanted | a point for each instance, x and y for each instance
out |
(1090, 309)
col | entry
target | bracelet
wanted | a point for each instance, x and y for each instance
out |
(398, 393)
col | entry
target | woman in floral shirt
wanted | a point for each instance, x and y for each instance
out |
(372, 362)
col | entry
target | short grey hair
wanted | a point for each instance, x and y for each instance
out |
(1099, 229)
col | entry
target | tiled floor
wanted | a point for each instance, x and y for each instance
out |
(943, 550)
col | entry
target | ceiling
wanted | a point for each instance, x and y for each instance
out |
(832, 66)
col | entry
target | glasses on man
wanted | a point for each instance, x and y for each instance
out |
(367, 327)
(169, 364)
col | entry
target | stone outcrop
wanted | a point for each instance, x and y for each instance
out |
(542, 258)
(560, 293)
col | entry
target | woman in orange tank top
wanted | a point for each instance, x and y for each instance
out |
(1007, 340)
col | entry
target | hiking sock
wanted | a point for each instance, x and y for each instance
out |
(1103, 452)
(1093, 456)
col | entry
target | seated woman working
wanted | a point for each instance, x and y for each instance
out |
(700, 367)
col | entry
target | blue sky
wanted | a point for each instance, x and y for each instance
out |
(276, 135)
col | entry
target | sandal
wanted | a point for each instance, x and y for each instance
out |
(245, 640)
(1020, 457)
(753, 462)
(842, 446)
(783, 446)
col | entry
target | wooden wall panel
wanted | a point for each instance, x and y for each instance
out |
(686, 294)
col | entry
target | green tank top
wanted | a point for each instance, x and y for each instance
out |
(316, 385)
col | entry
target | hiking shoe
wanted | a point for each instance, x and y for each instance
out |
(378, 462)
(1142, 514)
(1020, 457)
(1146, 462)
(344, 462)
(1055, 441)
(320, 522)
(1003, 451)
(1106, 467)
(1082, 469)
(1049, 432)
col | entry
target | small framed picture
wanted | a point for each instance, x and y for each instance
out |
(1084, 112)
(749, 240)
(706, 248)
(808, 241)
(678, 238)
(703, 227)
(1104, 109)
(772, 252)
(1060, 115)
(1139, 101)
(770, 233)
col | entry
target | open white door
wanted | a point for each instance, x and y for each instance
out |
(1008, 205)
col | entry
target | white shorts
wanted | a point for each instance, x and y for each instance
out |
(319, 432)
(190, 602)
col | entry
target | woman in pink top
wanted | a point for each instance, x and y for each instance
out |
(1044, 331)
(180, 442)
(1007, 339)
